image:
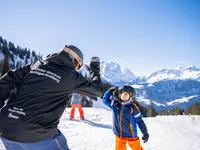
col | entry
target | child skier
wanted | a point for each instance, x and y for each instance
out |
(76, 102)
(126, 117)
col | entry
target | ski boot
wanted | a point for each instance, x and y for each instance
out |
(82, 118)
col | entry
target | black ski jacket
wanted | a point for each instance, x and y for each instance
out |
(40, 92)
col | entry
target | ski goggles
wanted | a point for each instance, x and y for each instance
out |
(74, 56)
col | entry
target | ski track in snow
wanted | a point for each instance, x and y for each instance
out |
(166, 132)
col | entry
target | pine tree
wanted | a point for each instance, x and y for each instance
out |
(177, 111)
(5, 50)
(5, 42)
(12, 48)
(17, 65)
(12, 57)
(195, 109)
(1, 63)
(5, 66)
(33, 54)
(35, 58)
(21, 53)
(20, 63)
(28, 54)
(18, 49)
(188, 111)
(31, 59)
(151, 112)
(26, 60)
(1, 40)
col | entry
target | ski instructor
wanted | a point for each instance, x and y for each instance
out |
(39, 95)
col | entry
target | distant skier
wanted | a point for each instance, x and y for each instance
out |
(126, 117)
(29, 120)
(76, 102)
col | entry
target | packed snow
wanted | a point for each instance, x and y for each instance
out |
(166, 132)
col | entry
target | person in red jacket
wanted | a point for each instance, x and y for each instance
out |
(76, 102)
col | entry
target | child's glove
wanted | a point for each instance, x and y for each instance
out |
(145, 137)
(114, 91)
(113, 88)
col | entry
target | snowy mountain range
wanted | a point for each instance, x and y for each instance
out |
(168, 88)
(113, 73)
(189, 72)
(164, 89)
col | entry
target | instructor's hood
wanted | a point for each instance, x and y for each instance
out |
(62, 58)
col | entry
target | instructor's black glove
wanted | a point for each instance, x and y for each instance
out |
(94, 69)
(95, 63)
(145, 137)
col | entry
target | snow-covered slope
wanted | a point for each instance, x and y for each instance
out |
(166, 132)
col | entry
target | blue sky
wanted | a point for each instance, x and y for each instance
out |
(142, 35)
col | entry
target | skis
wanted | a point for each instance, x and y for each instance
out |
(80, 120)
